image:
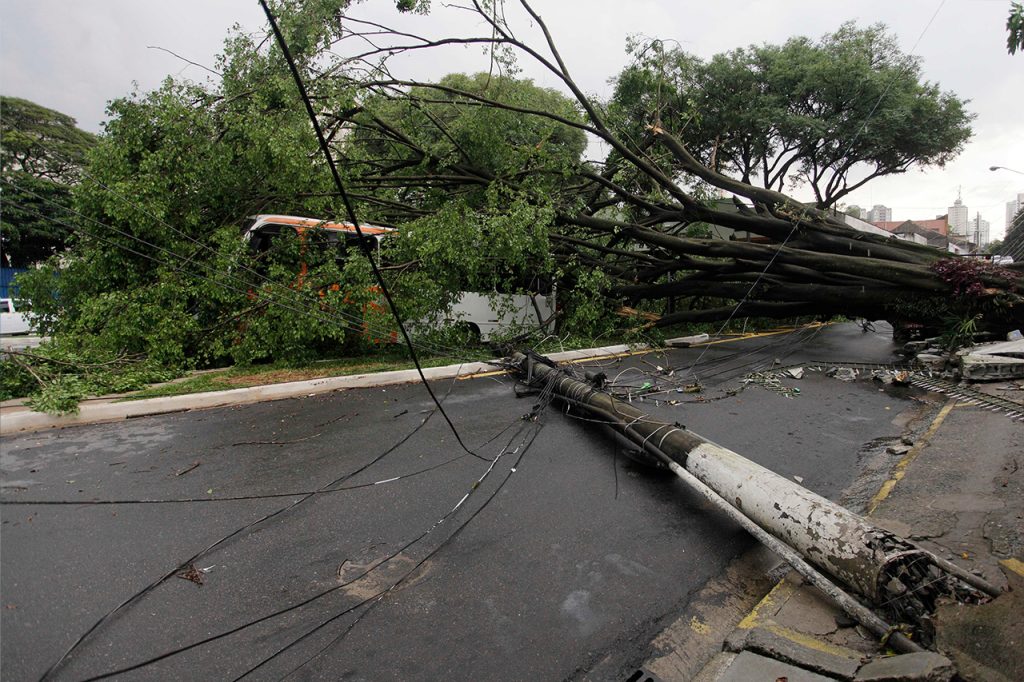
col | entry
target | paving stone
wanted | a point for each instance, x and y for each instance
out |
(749, 666)
(917, 667)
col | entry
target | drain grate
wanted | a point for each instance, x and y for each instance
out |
(969, 396)
(642, 675)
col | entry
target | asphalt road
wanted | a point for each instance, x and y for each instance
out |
(564, 554)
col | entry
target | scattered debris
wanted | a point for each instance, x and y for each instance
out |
(192, 574)
(924, 665)
(772, 381)
(795, 372)
(842, 373)
(898, 449)
(687, 341)
(186, 470)
(992, 361)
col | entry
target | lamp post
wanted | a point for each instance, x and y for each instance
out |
(995, 168)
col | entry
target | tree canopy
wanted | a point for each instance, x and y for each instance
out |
(831, 114)
(41, 154)
(1015, 28)
(483, 176)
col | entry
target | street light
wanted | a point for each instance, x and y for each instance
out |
(995, 168)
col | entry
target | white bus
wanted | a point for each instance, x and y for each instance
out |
(486, 314)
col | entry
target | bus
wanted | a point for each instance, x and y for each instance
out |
(485, 314)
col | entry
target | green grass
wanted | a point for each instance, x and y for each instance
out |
(260, 375)
(396, 359)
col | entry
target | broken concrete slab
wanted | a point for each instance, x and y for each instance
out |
(747, 666)
(687, 341)
(923, 666)
(992, 361)
(796, 648)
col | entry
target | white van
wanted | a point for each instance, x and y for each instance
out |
(11, 321)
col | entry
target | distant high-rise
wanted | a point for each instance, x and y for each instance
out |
(958, 218)
(978, 231)
(880, 214)
(1011, 210)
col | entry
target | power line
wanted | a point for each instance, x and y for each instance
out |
(328, 487)
(335, 316)
(300, 85)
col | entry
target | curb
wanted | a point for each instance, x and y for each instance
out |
(22, 419)
(759, 633)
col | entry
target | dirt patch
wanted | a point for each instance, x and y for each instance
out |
(281, 376)
(278, 376)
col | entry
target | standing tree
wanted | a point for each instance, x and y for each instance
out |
(1015, 28)
(832, 114)
(41, 154)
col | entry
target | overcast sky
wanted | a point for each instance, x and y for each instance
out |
(75, 55)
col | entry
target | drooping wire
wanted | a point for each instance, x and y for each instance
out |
(334, 316)
(367, 571)
(547, 395)
(350, 209)
(159, 581)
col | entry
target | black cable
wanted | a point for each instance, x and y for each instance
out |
(367, 249)
(546, 398)
(335, 316)
(308, 600)
(233, 498)
(159, 581)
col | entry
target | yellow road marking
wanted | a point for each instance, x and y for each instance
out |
(755, 335)
(741, 337)
(782, 591)
(1015, 565)
(900, 470)
(811, 642)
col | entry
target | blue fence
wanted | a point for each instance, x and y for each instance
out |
(7, 288)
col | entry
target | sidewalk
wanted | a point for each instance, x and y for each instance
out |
(957, 491)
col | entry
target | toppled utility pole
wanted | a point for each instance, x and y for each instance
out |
(801, 526)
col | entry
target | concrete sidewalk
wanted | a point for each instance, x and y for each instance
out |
(19, 419)
(958, 491)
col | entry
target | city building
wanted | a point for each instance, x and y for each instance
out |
(958, 217)
(978, 231)
(939, 225)
(879, 214)
(1011, 210)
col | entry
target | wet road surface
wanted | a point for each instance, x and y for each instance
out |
(344, 553)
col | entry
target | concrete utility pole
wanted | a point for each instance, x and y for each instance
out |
(801, 526)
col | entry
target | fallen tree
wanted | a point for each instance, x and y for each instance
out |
(638, 217)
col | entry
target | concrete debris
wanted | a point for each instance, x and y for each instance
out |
(897, 449)
(932, 360)
(842, 373)
(822, 660)
(772, 381)
(687, 341)
(750, 666)
(795, 372)
(992, 361)
(921, 666)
